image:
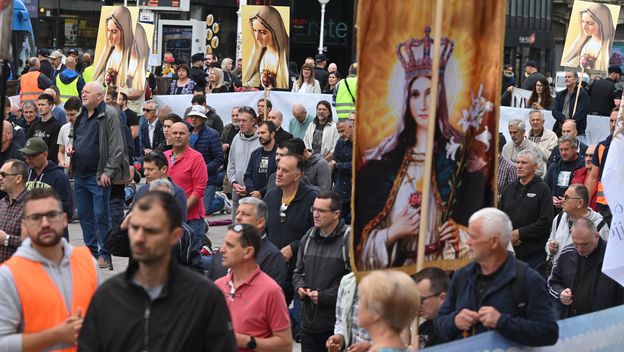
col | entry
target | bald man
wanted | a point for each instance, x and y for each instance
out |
(9, 149)
(187, 169)
(69, 81)
(99, 159)
(277, 118)
(301, 120)
(567, 129)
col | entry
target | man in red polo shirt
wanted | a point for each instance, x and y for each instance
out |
(256, 302)
(187, 169)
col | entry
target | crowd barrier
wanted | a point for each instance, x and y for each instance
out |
(597, 332)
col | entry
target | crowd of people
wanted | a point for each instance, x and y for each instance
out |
(76, 150)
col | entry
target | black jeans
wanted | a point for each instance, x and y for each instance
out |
(314, 341)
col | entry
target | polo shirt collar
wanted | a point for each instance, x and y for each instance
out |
(249, 282)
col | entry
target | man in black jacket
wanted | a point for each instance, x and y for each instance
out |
(197, 70)
(566, 103)
(577, 281)
(561, 172)
(602, 93)
(322, 261)
(528, 203)
(157, 304)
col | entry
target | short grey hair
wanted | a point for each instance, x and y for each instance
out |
(517, 123)
(163, 110)
(29, 103)
(498, 223)
(262, 211)
(535, 159)
(154, 185)
(152, 101)
(569, 139)
(539, 112)
(586, 223)
(576, 76)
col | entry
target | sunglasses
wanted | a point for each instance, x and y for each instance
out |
(239, 229)
(282, 213)
(148, 110)
(4, 174)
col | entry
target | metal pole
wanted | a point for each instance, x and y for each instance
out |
(239, 30)
(320, 48)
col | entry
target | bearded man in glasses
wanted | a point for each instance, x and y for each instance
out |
(289, 212)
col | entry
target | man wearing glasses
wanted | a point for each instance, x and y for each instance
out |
(433, 284)
(322, 261)
(13, 176)
(47, 284)
(151, 132)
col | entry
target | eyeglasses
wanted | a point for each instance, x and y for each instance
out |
(282, 213)
(4, 174)
(148, 110)
(322, 211)
(589, 155)
(36, 218)
(422, 299)
(566, 197)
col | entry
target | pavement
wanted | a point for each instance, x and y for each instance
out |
(215, 233)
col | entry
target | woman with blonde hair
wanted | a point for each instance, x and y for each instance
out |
(269, 54)
(215, 81)
(592, 47)
(306, 82)
(389, 302)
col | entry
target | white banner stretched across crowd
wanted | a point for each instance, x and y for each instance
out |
(520, 98)
(224, 102)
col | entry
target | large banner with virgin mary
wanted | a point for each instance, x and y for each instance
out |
(395, 75)
(590, 36)
(265, 46)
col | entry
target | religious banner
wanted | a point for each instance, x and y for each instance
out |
(395, 76)
(6, 14)
(266, 45)
(590, 36)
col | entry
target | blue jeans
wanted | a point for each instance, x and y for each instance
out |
(212, 204)
(199, 230)
(92, 202)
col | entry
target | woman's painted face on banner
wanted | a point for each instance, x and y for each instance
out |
(419, 100)
(589, 25)
(262, 34)
(113, 33)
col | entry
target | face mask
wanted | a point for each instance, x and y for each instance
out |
(508, 75)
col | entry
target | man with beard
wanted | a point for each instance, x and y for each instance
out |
(262, 161)
(47, 284)
(322, 135)
(509, 79)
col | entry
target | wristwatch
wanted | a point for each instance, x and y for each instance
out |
(252, 343)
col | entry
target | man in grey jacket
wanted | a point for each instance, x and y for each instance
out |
(99, 160)
(244, 143)
(317, 171)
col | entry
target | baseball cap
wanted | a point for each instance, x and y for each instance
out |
(43, 52)
(531, 63)
(197, 110)
(197, 57)
(35, 145)
(56, 54)
(320, 57)
(72, 51)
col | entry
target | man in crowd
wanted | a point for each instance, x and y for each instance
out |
(198, 75)
(99, 159)
(277, 118)
(69, 81)
(262, 161)
(46, 66)
(187, 169)
(167, 124)
(322, 261)
(298, 125)
(13, 176)
(528, 203)
(210, 60)
(57, 64)
(602, 93)
(545, 139)
(531, 75)
(47, 128)
(575, 206)
(320, 74)
(207, 142)
(29, 116)
(57, 112)
(316, 169)
(506, 296)
(9, 149)
(251, 292)
(132, 120)
(433, 285)
(253, 211)
(345, 93)
(244, 143)
(561, 172)
(44, 173)
(264, 104)
(32, 83)
(47, 284)
(151, 132)
(342, 164)
(72, 109)
(519, 143)
(595, 175)
(213, 120)
(348, 334)
(577, 280)
(567, 129)
(565, 105)
(153, 289)
(289, 212)
(322, 135)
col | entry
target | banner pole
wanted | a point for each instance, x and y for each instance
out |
(426, 191)
(578, 90)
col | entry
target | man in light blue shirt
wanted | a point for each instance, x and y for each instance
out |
(299, 124)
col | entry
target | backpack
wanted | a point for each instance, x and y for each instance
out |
(345, 243)
(518, 293)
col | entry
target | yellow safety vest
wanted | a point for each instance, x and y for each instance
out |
(345, 101)
(87, 74)
(67, 90)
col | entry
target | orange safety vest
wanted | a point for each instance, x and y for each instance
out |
(43, 306)
(29, 86)
(600, 197)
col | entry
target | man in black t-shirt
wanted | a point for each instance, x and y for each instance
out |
(262, 161)
(47, 128)
(132, 120)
